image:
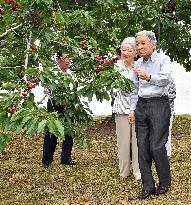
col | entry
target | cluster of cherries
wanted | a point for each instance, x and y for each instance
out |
(29, 86)
(33, 48)
(13, 109)
(13, 4)
(103, 61)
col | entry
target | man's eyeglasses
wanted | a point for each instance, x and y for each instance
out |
(64, 58)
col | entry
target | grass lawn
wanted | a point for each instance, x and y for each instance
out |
(95, 179)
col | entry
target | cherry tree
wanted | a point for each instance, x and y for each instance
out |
(33, 31)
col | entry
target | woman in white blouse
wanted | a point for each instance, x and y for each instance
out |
(126, 137)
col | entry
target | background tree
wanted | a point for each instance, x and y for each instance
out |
(33, 31)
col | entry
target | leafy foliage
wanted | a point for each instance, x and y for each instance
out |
(33, 31)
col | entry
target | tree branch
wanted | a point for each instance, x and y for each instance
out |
(3, 42)
(27, 55)
(13, 67)
(10, 30)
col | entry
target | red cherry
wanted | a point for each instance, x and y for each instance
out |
(24, 94)
(33, 85)
(30, 86)
(15, 5)
(98, 68)
(106, 61)
(99, 58)
(33, 48)
(9, 1)
(13, 108)
(111, 60)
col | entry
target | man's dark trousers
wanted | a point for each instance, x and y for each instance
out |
(152, 128)
(50, 140)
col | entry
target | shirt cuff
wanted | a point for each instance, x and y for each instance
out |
(132, 107)
(153, 79)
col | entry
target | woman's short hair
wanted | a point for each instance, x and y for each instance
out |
(149, 34)
(129, 40)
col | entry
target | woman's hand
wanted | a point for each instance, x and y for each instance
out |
(131, 117)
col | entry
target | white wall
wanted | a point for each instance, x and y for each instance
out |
(183, 88)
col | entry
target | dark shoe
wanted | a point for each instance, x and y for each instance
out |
(69, 163)
(162, 190)
(144, 194)
(46, 165)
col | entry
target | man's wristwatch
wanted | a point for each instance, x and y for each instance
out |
(149, 77)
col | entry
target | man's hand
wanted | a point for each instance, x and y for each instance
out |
(131, 117)
(142, 74)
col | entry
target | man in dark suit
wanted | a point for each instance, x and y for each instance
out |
(50, 140)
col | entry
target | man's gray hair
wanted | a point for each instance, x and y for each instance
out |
(129, 40)
(149, 34)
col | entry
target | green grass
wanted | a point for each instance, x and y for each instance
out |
(95, 179)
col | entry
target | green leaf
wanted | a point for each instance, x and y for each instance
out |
(14, 124)
(41, 126)
(7, 123)
(4, 138)
(38, 1)
(9, 86)
(18, 114)
(52, 127)
(48, 36)
(60, 17)
(33, 127)
(60, 128)
(23, 123)
(106, 96)
(3, 115)
(32, 71)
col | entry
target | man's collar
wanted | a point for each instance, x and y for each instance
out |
(62, 70)
(152, 58)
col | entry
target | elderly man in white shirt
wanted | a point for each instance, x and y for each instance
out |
(150, 103)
